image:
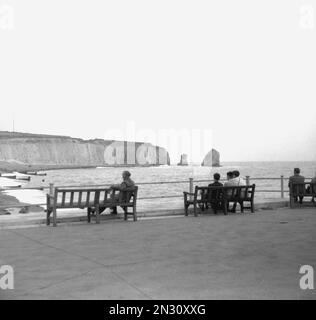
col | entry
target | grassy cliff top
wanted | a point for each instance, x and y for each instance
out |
(14, 135)
(8, 134)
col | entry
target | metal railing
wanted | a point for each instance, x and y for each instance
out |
(191, 182)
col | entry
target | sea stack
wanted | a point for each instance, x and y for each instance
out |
(183, 160)
(212, 159)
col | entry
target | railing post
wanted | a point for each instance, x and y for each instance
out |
(51, 189)
(51, 193)
(282, 186)
(191, 187)
(248, 180)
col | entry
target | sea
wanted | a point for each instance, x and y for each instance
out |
(176, 180)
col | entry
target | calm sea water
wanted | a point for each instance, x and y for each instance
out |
(75, 177)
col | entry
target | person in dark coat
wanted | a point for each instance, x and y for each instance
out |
(215, 195)
(297, 178)
(125, 184)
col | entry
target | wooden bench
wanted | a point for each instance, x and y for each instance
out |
(219, 198)
(306, 189)
(93, 199)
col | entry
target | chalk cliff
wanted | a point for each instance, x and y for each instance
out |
(212, 159)
(183, 160)
(19, 150)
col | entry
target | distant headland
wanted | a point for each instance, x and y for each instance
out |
(26, 151)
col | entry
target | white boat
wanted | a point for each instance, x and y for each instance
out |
(36, 173)
(8, 175)
(22, 176)
(9, 183)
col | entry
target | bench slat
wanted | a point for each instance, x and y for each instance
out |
(88, 198)
(71, 198)
(105, 195)
(63, 199)
(81, 189)
(79, 198)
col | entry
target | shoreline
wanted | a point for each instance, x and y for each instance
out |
(10, 202)
(8, 168)
(6, 200)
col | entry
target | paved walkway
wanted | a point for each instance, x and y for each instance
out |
(247, 256)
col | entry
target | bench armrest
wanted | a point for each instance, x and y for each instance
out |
(115, 187)
(187, 195)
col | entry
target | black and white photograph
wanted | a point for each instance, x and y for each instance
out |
(157, 150)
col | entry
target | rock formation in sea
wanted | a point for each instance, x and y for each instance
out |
(212, 159)
(183, 160)
(25, 151)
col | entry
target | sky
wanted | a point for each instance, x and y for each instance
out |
(239, 76)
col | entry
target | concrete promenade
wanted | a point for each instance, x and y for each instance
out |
(239, 256)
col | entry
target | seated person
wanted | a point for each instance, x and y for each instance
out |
(297, 178)
(214, 196)
(216, 182)
(230, 183)
(230, 180)
(237, 179)
(125, 184)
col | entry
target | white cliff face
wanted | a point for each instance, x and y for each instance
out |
(50, 150)
(183, 160)
(128, 153)
(212, 159)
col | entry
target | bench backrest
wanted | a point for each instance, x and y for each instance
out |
(302, 189)
(214, 193)
(240, 192)
(127, 195)
(81, 197)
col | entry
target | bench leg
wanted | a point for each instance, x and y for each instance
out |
(54, 217)
(89, 215)
(194, 209)
(134, 213)
(241, 203)
(48, 217)
(226, 204)
(125, 213)
(291, 202)
(214, 207)
(97, 213)
(252, 207)
(186, 206)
